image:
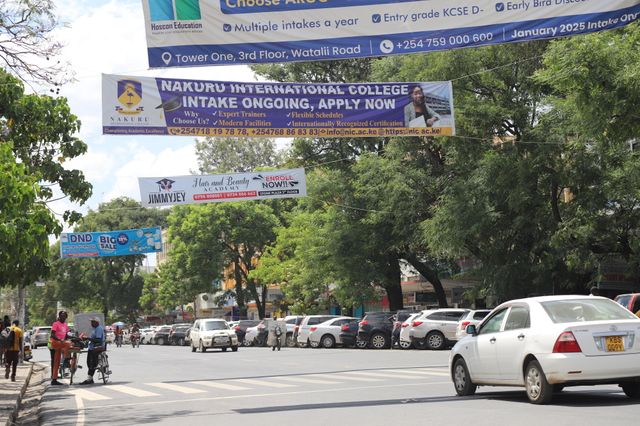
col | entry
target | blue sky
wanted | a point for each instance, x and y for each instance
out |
(107, 36)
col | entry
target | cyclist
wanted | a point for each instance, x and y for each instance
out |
(118, 332)
(96, 345)
(135, 333)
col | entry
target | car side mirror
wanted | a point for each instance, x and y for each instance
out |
(471, 329)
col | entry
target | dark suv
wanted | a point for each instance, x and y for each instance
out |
(178, 335)
(376, 329)
(349, 335)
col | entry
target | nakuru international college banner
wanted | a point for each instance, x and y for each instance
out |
(216, 32)
(160, 106)
(110, 243)
(165, 191)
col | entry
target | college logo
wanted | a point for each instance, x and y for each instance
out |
(170, 10)
(129, 96)
(166, 194)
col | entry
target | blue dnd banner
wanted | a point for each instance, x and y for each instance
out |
(110, 243)
(182, 33)
(163, 106)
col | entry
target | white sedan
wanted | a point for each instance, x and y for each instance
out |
(547, 343)
(327, 334)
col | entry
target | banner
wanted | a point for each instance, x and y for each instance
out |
(110, 243)
(161, 106)
(183, 33)
(167, 191)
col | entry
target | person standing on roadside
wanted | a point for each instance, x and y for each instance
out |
(96, 345)
(3, 347)
(59, 343)
(13, 351)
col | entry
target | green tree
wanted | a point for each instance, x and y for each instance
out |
(236, 155)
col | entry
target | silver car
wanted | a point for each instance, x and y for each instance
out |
(433, 329)
(327, 334)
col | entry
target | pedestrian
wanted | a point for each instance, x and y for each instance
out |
(13, 351)
(60, 344)
(3, 343)
(277, 333)
(96, 345)
(6, 322)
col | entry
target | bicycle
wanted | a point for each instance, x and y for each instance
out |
(103, 366)
(119, 340)
(76, 349)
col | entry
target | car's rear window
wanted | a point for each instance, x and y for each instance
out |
(581, 310)
(480, 315)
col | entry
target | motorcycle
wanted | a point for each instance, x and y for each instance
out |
(135, 339)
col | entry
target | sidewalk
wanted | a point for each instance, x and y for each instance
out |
(11, 393)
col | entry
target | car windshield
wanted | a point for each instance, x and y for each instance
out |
(580, 310)
(215, 325)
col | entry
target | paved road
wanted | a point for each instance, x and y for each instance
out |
(255, 386)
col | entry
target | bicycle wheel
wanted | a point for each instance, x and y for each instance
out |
(104, 369)
(73, 367)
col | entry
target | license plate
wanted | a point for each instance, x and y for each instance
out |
(220, 339)
(614, 344)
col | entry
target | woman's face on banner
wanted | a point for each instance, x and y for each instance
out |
(417, 95)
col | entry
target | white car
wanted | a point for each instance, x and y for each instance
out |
(405, 340)
(547, 343)
(146, 335)
(473, 317)
(302, 336)
(212, 333)
(327, 334)
(433, 329)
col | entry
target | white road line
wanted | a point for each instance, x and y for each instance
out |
(441, 373)
(357, 379)
(307, 380)
(264, 383)
(218, 385)
(175, 388)
(389, 375)
(131, 391)
(88, 395)
(80, 406)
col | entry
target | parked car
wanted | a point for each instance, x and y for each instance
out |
(146, 335)
(40, 336)
(436, 329)
(177, 335)
(212, 333)
(327, 334)
(404, 340)
(292, 322)
(302, 337)
(349, 335)
(547, 343)
(399, 318)
(376, 328)
(473, 317)
(241, 328)
(161, 336)
(631, 301)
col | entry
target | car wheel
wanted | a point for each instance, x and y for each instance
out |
(404, 344)
(193, 348)
(160, 341)
(462, 380)
(246, 342)
(361, 344)
(302, 345)
(234, 348)
(631, 389)
(201, 347)
(539, 391)
(378, 341)
(289, 341)
(435, 341)
(328, 341)
(314, 344)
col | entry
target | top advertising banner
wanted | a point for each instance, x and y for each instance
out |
(182, 33)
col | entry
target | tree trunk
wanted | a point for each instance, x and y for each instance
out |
(392, 284)
(240, 299)
(430, 275)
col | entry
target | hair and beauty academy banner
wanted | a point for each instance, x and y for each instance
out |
(221, 32)
(110, 243)
(161, 106)
(166, 191)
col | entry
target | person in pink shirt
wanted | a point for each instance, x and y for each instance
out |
(59, 342)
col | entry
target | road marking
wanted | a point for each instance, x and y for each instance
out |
(218, 385)
(88, 395)
(131, 391)
(266, 395)
(175, 388)
(307, 380)
(357, 379)
(390, 375)
(441, 373)
(80, 406)
(264, 383)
